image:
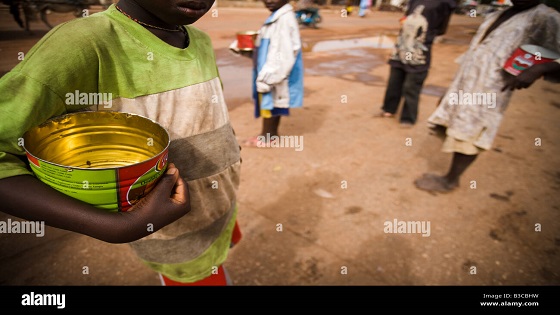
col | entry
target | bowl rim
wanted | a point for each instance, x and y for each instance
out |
(70, 168)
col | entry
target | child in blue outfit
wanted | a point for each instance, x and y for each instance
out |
(278, 69)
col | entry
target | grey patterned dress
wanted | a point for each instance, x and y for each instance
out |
(481, 72)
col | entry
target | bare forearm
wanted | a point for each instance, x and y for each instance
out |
(27, 198)
(526, 78)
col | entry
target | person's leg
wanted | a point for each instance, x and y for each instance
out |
(14, 10)
(459, 164)
(412, 87)
(450, 181)
(393, 92)
(270, 126)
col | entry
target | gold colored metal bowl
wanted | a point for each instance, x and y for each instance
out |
(108, 159)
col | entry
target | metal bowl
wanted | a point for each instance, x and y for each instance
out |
(108, 159)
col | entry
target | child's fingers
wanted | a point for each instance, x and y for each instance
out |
(180, 193)
(170, 166)
(167, 182)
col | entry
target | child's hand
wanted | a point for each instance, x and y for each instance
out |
(263, 87)
(246, 53)
(525, 79)
(167, 202)
(171, 191)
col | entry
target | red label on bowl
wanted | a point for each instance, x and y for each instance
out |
(136, 181)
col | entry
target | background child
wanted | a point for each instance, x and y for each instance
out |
(127, 50)
(410, 62)
(470, 130)
(278, 71)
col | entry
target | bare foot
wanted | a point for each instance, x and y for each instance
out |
(406, 125)
(435, 183)
(383, 114)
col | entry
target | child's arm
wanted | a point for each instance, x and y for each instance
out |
(526, 78)
(26, 197)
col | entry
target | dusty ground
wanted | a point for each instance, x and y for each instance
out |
(354, 173)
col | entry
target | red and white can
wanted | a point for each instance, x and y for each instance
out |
(527, 56)
(246, 40)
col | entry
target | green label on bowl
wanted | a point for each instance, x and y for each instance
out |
(97, 187)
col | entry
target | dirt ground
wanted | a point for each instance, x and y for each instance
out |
(354, 173)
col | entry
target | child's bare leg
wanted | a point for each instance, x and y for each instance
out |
(450, 181)
(270, 126)
(460, 163)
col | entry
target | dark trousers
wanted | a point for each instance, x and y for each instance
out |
(404, 84)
